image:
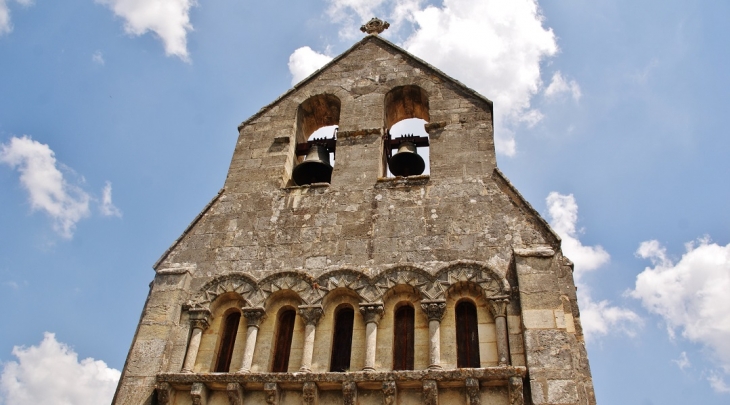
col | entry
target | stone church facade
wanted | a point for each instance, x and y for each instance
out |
(438, 288)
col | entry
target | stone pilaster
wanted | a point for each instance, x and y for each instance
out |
(311, 315)
(498, 308)
(372, 312)
(198, 322)
(254, 317)
(473, 396)
(349, 393)
(434, 310)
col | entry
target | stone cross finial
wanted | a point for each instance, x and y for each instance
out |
(375, 26)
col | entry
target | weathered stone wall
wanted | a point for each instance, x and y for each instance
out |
(465, 211)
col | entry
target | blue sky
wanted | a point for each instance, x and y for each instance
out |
(117, 125)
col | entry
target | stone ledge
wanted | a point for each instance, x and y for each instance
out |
(387, 182)
(459, 376)
(306, 186)
(542, 251)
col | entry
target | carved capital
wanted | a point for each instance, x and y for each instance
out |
(235, 393)
(473, 395)
(199, 318)
(311, 313)
(434, 309)
(498, 307)
(310, 393)
(372, 312)
(254, 316)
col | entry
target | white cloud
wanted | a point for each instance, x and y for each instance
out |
(48, 191)
(108, 208)
(6, 25)
(598, 318)
(304, 61)
(493, 46)
(51, 373)
(683, 361)
(718, 384)
(559, 86)
(691, 294)
(98, 58)
(168, 19)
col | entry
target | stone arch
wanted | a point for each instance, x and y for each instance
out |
(481, 276)
(300, 283)
(236, 283)
(353, 280)
(413, 276)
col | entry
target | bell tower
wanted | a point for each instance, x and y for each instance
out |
(364, 249)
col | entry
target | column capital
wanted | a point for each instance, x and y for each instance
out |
(254, 315)
(434, 309)
(498, 307)
(199, 318)
(311, 313)
(372, 311)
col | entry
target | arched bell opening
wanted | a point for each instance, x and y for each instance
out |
(316, 139)
(406, 149)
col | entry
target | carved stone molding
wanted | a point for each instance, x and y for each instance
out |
(311, 314)
(390, 392)
(199, 394)
(165, 393)
(235, 393)
(310, 393)
(430, 392)
(254, 316)
(272, 393)
(473, 396)
(516, 393)
(372, 312)
(498, 307)
(349, 393)
(434, 309)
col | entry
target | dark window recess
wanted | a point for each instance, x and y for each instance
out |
(342, 342)
(230, 328)
(467, 336)
(403, 338)
(283, 341)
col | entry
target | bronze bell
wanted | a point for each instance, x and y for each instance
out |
(406, 162)
(315, 168)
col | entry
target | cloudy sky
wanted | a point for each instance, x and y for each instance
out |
(118, 120)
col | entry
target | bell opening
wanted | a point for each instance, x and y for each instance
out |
(408, 159)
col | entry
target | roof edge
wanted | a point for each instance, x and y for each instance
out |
(188, 229)
(528, 206)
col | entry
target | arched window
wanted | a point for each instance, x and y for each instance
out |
(318, 118)
(228, 339)
(342, 341)
(467, 335)
(283, 341)
(403, 338)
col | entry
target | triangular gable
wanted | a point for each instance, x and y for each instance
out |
(426, 66)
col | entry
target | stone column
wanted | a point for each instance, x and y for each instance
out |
(199, 323)
(372, 312)
(254, 317)
(498, 308)
(434, 310)
(311, 315)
